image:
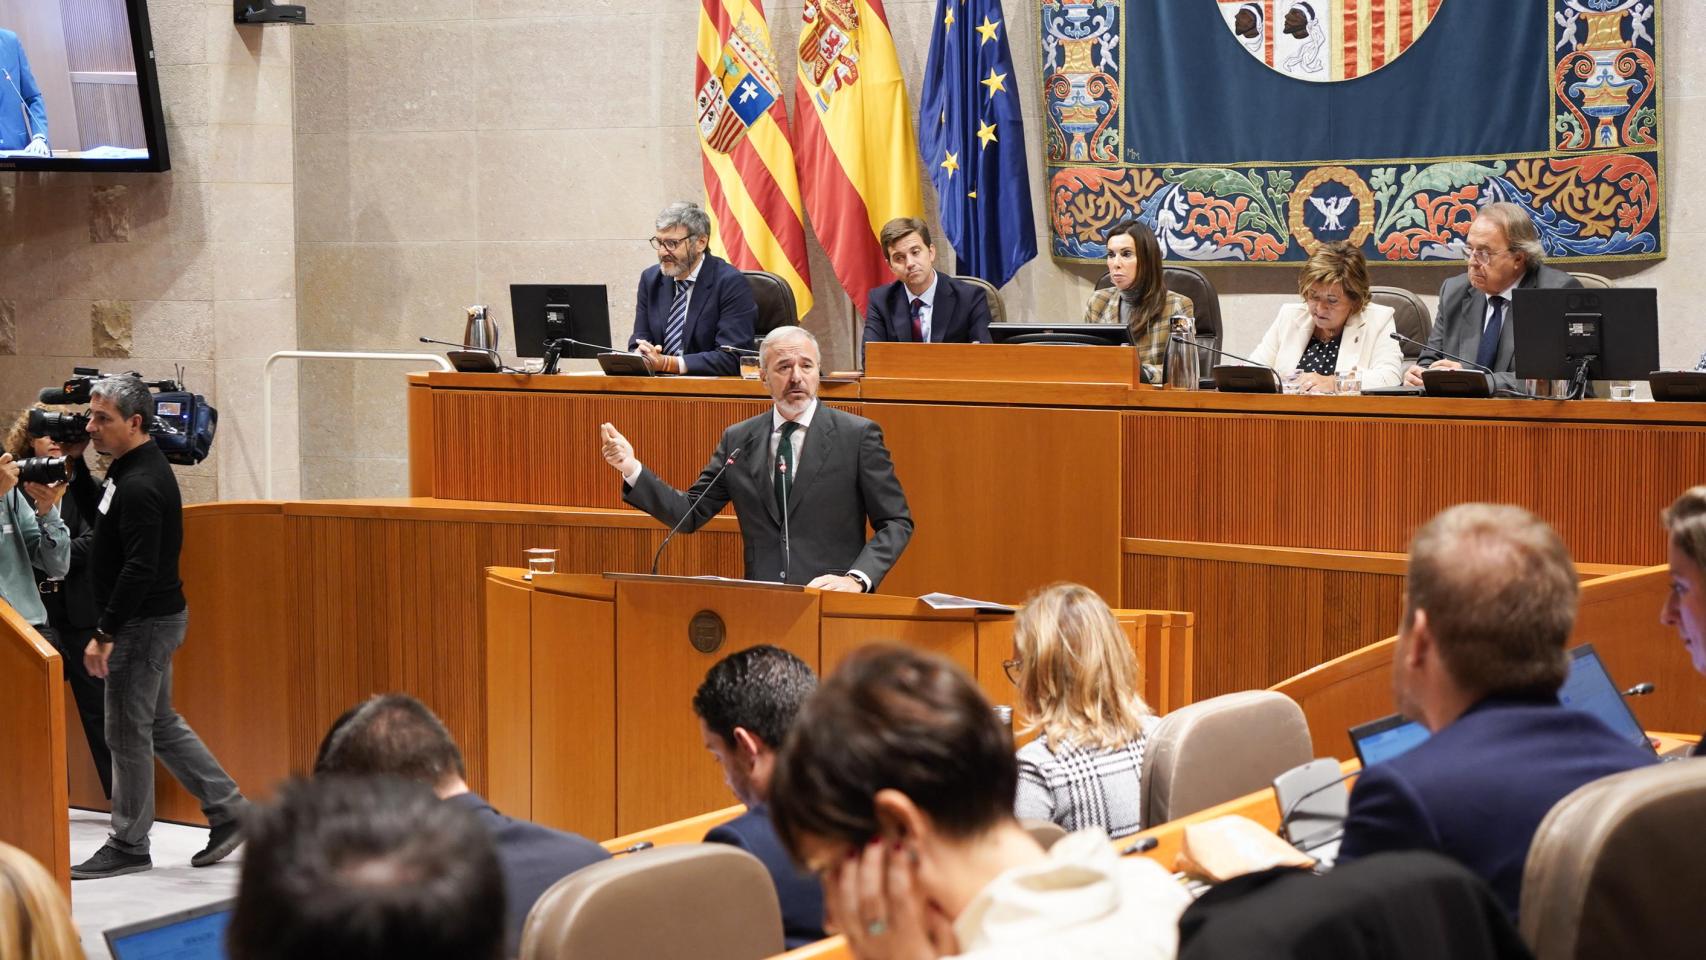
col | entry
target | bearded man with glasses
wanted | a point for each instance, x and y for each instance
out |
(692, 302)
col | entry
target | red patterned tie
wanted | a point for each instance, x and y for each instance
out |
(917, 319)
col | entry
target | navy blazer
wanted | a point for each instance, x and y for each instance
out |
(798, 892)
(959, 314)
(1477, 790)
(532, 858)
(721, 311)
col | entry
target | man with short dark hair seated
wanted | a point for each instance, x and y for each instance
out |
(1491, 599)
(396, 735)
(366, 868)
(745, 706)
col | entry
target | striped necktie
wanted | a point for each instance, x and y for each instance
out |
(675, 333)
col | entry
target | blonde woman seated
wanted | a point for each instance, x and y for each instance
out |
(1077, 680)
(35, 922)
(1335, 329)
(1138, 297)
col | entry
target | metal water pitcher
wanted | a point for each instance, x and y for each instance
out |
(1180, 371)
(481, 333)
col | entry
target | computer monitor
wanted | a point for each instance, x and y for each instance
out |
(194, 934)
(1556, 330)
(1380, 740)
(1590, 689)
(555, 310)
(1074, 334)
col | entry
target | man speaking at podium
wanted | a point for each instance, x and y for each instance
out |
(804, 479)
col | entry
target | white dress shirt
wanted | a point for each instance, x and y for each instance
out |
(1487, 315)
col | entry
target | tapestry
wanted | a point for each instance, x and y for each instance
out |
(1256, 130)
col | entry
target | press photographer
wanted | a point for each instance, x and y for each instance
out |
(32, 535)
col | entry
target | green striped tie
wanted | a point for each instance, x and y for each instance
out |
(785, 465)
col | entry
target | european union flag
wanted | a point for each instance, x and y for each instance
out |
(973, 141)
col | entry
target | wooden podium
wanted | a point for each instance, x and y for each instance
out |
(590, 680)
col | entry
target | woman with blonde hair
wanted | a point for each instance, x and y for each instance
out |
(1077, 680)
(1334, 327)
(35, 923)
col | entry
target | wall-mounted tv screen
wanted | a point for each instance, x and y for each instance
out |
(78, 89)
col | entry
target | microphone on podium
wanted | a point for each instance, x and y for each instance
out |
(735, 351)
(1467, 363)
(1180, 338)
(727, 463)
(787, 485)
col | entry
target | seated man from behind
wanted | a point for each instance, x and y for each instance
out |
(365, 868)
(745, 706)
(1491, 599)
(922, 305)
(396, 735)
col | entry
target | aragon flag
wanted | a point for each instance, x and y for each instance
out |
(853, 127)
(752, 191)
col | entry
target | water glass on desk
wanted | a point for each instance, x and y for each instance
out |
(1350, 382)
(749, 367)
(540, 560)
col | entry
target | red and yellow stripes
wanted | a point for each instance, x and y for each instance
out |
(752, 192)
(1368, 34)
(858, 155)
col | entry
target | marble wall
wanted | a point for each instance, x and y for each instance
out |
(195, 268)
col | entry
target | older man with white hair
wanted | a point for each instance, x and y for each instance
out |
(1474, 307)
(691, 303)
(804, 479)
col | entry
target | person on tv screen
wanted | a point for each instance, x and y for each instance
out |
(23, 112)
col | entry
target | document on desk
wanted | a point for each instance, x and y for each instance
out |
(947, 601)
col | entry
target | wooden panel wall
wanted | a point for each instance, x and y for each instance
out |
(32, 748)
(1260, 618)
(1349, 483)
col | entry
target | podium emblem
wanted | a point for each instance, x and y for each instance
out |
(706, 631)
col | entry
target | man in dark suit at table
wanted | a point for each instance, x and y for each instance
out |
(921, 305)
(1491, 599)
(804, 478)
(691, 302)
(745, 706)
(1474, 307)
(395, 735)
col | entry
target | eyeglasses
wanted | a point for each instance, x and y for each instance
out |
(1012, 669)
(1316, 298)
(1483, 255)
(670, 246)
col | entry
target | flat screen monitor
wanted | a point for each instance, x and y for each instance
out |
(1080, 334)
(1554, 329)
(194, 934)
(78, 89)
(555, 310)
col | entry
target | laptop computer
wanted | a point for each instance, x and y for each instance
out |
(194, 934)
(1588, 688)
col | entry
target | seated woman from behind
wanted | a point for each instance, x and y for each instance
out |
(1335, 329)
(896, 788)
(1138, 298)
(1077, 680)
(35, 921)
(1685, 607)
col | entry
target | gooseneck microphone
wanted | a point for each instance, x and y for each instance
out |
(727, 463)
(1639, 690)
(735, 351)
(787, 482)
(1449, 356)
(1181, 339)
(1297, 805)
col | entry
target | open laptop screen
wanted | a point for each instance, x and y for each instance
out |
(1591, 690)
(1381, 740)
(194, 934)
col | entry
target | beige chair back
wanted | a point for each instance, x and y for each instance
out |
(997, 308)
(1220, 749)
(709, 901)
(1616, 869)
(1592, 280)
(1044, 832)
(1410, 315)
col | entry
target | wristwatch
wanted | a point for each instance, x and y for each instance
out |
(101, 636)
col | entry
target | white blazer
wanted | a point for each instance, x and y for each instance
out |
(1367, 345)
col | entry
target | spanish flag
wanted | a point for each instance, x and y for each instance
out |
(751, 189)
(858, 155)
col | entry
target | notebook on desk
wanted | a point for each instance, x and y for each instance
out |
(194, 934)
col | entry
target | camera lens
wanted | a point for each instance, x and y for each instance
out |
(42, 470)
(59, 427)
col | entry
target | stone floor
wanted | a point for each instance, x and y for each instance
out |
(98, 905)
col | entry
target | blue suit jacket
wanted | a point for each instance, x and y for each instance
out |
(960, 313)
(1477, 790)
(532, 858)
(798, 891)
(13, 134)
(720, 311)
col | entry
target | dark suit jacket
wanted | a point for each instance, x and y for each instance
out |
(845, 477)
(721, 311)
(959, 314)
(1477, 790)
(532, 858)
(72, 607)
(1462, 310)
(798, 891)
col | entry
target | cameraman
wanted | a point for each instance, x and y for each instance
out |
(70, 602)
(30, 536)
(134, 561)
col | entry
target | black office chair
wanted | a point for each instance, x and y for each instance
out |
(776, 307)
(1410, 315)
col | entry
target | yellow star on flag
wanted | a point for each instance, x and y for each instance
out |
(948, 21)
(951, 164)
(996, 82)
(971, 195)
(985, 132)
(987, 30)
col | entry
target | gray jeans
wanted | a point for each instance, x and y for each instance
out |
(142, 725)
